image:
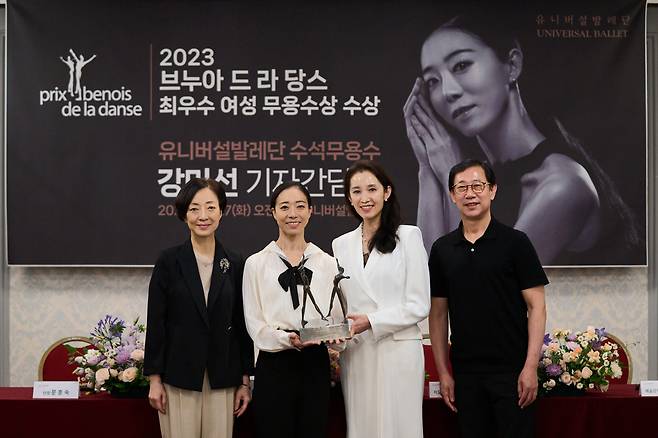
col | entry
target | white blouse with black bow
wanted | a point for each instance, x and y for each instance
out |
(272, 293)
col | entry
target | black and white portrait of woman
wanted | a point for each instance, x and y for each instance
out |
(468, 101)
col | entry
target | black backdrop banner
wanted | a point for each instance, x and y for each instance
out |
(112, 106)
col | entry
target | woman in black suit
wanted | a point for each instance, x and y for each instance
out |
(198, 353)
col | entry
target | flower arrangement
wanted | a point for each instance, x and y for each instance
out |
(115, 362)
(580, 360)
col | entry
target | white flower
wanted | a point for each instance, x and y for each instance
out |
(579, 386)
(606, 362)
(590, 386)
(128, 375)
(565, 378)
(224, 265)
(551, 383)
(92, 357)
(113, 372)
(102, 375)
(616, 370)
(79, 359)
(137, 355)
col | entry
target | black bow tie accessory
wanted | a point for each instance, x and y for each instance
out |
(291, 277)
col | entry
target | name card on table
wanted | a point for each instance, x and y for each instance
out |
(434, 390)
(55, 389)
(649, 388)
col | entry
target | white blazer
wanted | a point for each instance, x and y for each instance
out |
(392, 289)
(382, 370)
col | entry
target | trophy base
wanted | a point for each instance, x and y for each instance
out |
(325, 333)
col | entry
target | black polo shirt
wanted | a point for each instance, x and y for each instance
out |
(483, 282)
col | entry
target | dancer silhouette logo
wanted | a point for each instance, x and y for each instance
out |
(75, 66)
(78, 100)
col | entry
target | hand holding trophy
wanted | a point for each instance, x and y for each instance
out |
(325, 328)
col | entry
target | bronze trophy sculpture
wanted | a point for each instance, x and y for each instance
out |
(325, 328)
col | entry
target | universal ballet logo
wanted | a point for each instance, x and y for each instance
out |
(76, 100)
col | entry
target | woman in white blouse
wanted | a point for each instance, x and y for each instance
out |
(291, 387)
(388, 294)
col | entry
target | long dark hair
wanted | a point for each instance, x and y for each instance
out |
(493, 33)
(615, 213)
(386, 235)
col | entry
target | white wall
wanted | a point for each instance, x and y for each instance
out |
(47, 304)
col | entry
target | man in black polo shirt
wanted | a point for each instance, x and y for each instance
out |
(487, 277)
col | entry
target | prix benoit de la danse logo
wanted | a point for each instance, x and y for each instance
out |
(76, 100)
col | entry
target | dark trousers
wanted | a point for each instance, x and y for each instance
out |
(487, 406)
(291, 393)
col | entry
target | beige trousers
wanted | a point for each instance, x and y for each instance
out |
(193, 414)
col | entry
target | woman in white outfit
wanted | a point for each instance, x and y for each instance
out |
(382, 368)
(291, 387)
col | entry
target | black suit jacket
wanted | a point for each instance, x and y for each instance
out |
(185, 337)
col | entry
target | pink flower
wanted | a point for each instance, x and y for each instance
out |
(565, 378)
(586, 373)
(553, 347)
(594, 356)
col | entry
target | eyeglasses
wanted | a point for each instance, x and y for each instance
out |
(477, 186)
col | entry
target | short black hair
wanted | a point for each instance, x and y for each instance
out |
(286, 185)
(189, 190)
(468, 163)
